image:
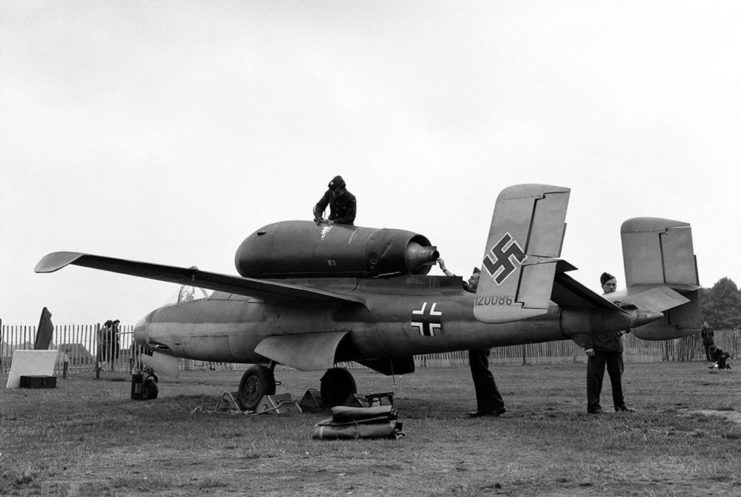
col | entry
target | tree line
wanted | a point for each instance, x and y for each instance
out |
(720, 305)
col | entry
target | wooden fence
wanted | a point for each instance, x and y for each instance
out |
(80, 347)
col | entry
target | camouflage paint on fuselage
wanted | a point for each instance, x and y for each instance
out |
(403, 316)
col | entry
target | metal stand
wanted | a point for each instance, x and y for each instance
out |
(269, 404)
(277, 404)
(227, 402)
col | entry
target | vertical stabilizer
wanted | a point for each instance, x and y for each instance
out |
(525, 237)
(661, 275)
(658, 251)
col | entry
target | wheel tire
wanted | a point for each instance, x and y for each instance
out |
(256, 382)
(150, 390)
(337, 385)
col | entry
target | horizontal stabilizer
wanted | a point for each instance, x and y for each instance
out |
(682, 321)
(569, 293)
(270, 291)
(305, 352)
(519, 265)
(657, 298)
(681, 310)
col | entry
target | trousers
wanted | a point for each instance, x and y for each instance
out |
(488, 398)
(596, 372)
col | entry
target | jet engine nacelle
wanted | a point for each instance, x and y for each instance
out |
(306, 249)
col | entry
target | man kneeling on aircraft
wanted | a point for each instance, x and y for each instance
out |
(342, 204)
(489, 401)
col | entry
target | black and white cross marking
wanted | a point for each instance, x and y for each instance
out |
(427, 324)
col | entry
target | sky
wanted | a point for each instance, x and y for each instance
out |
(169, 131)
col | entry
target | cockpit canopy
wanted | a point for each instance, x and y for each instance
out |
(188, 293)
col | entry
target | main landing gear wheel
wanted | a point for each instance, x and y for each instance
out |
(337, 386)
(256, 382)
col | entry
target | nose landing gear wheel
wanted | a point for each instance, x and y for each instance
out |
(256, 382)
(337, 386)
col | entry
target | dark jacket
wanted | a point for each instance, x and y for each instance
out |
(611, 341)
(718, 354)
(606, 342)
(341, 209)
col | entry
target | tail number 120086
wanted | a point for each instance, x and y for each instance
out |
(494, 300)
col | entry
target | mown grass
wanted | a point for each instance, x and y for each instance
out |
(87, 438)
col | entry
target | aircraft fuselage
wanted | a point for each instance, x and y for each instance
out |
(403, 316)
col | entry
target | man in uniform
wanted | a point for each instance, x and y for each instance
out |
(719, 357)
(605, 349)
(708, 341)
(489, 401)
(342, 204)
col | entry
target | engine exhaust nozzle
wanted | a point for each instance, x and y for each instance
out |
(418, 256)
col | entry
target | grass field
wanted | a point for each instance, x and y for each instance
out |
(87, 438)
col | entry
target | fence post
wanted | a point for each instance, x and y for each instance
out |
(98, 352)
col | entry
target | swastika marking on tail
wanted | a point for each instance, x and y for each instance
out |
(499, 262)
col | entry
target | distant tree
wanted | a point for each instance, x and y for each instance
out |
(720, 305)
(706, 298)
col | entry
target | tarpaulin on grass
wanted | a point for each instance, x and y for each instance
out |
(351, 423)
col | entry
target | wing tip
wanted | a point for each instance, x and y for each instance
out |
(56, 261)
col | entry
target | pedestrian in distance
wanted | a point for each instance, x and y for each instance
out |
(708, 339)
(104, 346)
(115, 342)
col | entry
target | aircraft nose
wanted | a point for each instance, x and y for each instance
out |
(141, 330)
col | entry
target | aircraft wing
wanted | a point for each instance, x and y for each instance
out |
(270, 291)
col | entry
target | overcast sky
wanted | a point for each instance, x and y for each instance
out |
(168, 131)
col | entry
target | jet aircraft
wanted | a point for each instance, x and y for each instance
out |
(311, 295)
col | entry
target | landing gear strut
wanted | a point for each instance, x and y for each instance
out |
(337, 386)
(256, 381)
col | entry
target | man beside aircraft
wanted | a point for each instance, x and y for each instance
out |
(605, 349)
(342, 204)
(489, 401)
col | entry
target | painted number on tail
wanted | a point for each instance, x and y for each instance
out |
(503, 258)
